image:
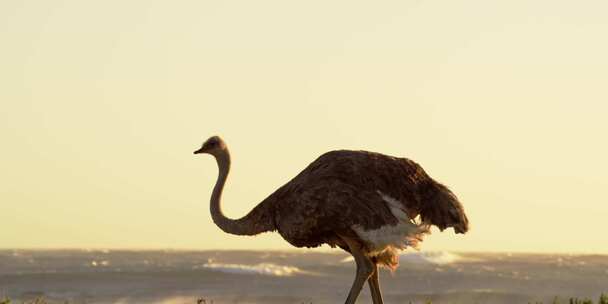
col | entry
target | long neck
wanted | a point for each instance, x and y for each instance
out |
(257, 221)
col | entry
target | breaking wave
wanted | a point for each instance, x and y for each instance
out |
(166, 300)
(431, 257)
(263, 269)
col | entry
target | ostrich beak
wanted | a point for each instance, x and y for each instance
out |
(199, 151)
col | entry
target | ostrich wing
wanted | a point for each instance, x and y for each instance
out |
(343, 188)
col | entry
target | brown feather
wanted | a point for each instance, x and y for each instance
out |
(340, 189)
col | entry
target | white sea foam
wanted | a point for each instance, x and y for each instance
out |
(179, 300)
(100, 263)
(431, 257)
(167, 300)
(263, 269)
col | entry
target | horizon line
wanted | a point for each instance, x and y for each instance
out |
(291, 250)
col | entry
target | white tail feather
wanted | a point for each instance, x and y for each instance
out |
(388, 240)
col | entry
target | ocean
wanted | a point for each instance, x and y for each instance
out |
(176, 277)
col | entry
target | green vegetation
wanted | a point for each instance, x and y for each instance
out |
(35, 301)
(603, 299)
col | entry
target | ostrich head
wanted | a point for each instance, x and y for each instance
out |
(214, 145)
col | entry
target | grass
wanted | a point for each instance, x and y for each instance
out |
(603, 299)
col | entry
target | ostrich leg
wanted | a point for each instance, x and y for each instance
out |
(374, 286)
(364, 269)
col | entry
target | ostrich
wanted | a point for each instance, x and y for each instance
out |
(369, 204)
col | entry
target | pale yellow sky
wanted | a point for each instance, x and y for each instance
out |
(103, 103)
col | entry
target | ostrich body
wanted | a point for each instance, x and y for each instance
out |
(369, 204)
